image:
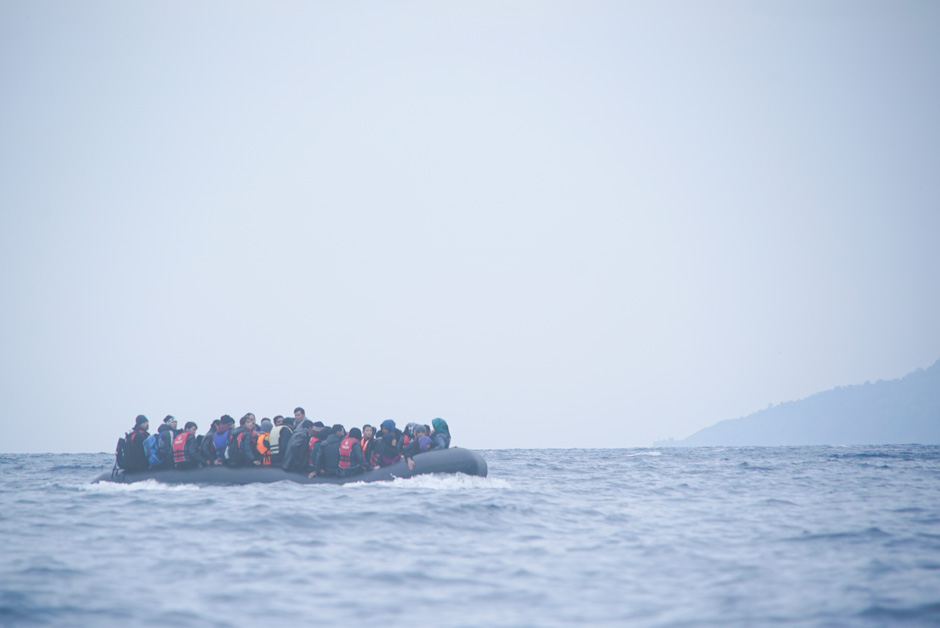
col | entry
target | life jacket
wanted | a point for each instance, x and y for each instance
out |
(364, 443)
(179, 447)
(274, 440)
(263, 447)
(313, 442)
(234, 451)
(345, 452)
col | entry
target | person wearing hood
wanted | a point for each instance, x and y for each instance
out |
(136, 458)
(326, 458)
(207, 446)
(168, 433)
(295, 456)
(387, 449)
(220, 439)
(440, 435)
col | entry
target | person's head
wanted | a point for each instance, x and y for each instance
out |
(266, 425)
(339, 430)
(278, 420)
(170, 420)
(247, 421)
(355, 432)
(306, 424)
(424, 443)
(421, 430)
(299, 414)
(388, 425)
(367, 431)
(318, 425)
(190, 427)
(214, 427)
(226, 423)
(141, 423)
(440, 426)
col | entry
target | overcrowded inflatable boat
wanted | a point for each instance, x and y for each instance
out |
(453, 460)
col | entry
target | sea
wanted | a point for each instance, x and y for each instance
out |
(762, 536)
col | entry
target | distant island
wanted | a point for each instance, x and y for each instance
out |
(900, 411)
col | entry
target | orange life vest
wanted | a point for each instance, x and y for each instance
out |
(262, 445)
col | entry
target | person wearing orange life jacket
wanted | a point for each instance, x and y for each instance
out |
(263, 442)
(186, 454)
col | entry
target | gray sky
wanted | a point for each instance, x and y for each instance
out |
(552, 224)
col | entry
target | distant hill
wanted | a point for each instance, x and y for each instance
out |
(905, 410)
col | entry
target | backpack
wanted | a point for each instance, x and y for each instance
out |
(152, 449)
(233, 450)
(121, 452)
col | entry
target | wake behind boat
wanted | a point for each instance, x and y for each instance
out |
(452, 460)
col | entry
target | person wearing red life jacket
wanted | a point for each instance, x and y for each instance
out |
(186, 453)
(351, 459)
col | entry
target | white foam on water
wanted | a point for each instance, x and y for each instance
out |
(646, 453)
(144, 486)
(442, 482)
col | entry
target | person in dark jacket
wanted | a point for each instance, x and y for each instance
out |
(220, 440)
(295, 456)
(326, 458)
(440, 434)
(388, 448)
(207, 447)
(136, 459)
(167, 432)
(241, 446)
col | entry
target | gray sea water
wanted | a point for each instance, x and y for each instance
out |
(799, 536)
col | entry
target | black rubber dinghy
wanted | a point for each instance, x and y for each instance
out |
(454, 460)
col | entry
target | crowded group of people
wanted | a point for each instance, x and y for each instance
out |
(296, 444)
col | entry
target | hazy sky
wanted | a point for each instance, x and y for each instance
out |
(553, 224)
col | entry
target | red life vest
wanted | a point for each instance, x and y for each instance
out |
(179, 447)
(345, 451)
